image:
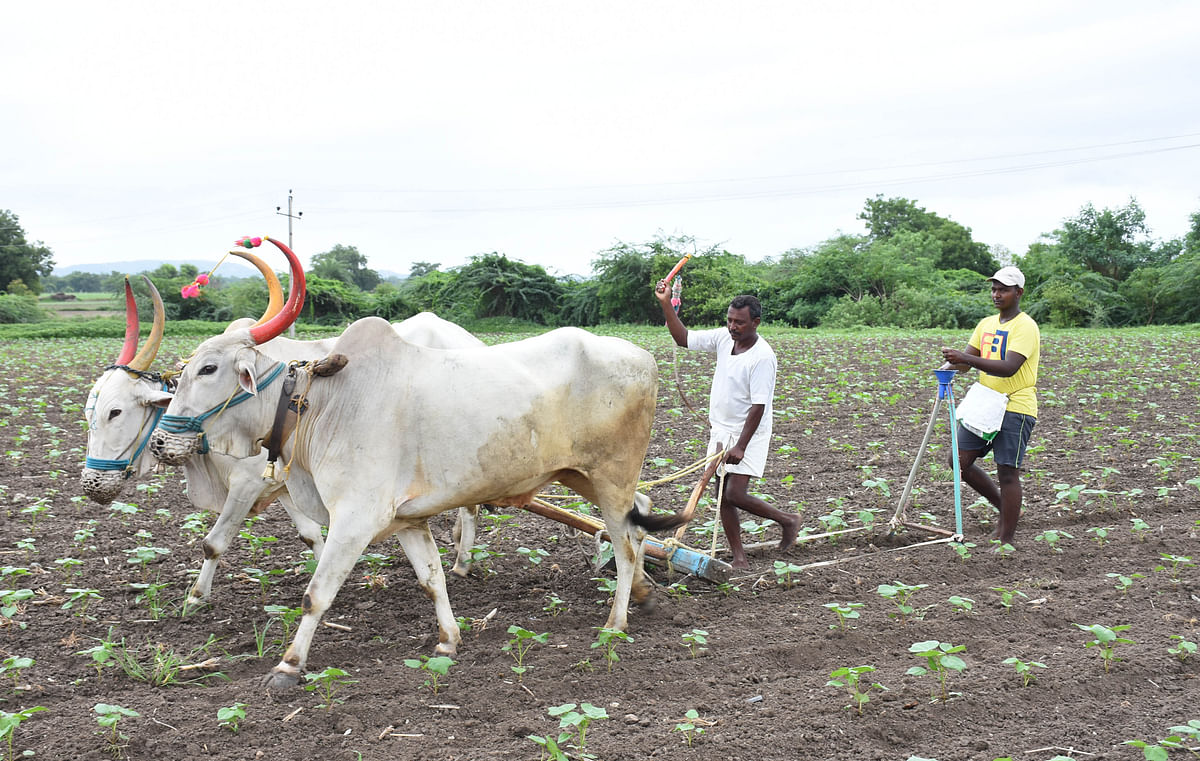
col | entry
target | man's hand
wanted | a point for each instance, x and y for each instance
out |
(953, 357)
(735, 455)
(663, 293)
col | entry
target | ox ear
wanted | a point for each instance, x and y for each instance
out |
(152, 397)
(246, 377)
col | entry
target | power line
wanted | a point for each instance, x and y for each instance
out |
(763, 194)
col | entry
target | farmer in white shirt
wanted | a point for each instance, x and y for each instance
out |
(739, 410)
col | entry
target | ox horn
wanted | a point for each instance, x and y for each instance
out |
(149, 349)
(291, 310)
(274, 289)
(131, 327)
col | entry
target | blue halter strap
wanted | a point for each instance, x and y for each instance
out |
(99, 463)
(179, 424)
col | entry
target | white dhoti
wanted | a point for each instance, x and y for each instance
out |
(754, 462)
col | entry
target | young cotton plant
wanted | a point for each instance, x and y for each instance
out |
(1024, 669)
(435, 669)
(519, 646)
(9, 723)
(900, 594)
(845, 612)
(940, 659)
(1106, 640)
(851, 679)
(607, 641)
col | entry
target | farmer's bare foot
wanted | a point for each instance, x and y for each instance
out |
(740, 564)
(791, 527)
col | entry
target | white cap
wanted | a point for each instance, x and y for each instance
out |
(1009, 276)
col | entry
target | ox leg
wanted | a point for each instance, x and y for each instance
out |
(217, 542)
(627, 547)
(422, 552)
(309, 529)
(464, 539)
(343, 547)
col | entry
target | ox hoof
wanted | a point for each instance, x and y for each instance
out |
(444, 648)
(461, 571)
(278, 681)
(193, 605)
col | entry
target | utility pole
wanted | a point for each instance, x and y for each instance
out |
(290, 216)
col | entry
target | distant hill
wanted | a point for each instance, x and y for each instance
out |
(229, 269)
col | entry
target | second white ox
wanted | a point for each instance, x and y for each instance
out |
(405, 432)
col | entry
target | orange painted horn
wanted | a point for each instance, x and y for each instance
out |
(274, 289)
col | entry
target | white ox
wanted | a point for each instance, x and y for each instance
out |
(405, 432)
(121, 411)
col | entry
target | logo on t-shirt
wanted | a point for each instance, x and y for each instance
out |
(994, 344)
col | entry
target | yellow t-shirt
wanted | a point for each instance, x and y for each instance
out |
(994, 340)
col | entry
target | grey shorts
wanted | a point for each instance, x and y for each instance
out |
(1008, 448)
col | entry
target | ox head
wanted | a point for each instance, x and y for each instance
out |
(207, 410)
(122, 409)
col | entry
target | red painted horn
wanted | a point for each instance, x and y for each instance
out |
(291, 310)
(150, 349)
(131, 327)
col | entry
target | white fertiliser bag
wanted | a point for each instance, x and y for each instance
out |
(982, 411)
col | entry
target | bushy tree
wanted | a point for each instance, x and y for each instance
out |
(887, 217)
(20, 259)
(346, 264)
(496, 286)
(1111, 242)
(333, 302)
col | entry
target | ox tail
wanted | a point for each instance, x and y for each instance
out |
(641, 516)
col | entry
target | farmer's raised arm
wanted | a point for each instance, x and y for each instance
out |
(678, 331)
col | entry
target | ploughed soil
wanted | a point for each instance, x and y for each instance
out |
(849, 409)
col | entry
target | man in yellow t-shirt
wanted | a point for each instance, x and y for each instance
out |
(1005, 349)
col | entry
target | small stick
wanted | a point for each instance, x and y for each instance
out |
(211, 663)
(339, 627)
(387, 729)
(293, 713)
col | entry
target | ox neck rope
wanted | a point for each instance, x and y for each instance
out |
(178, 424)
(99, 463)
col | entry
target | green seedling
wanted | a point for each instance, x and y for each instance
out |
(963, 550)
(150, 592)
(691, 726)
(607, 641)
(1139, 528)
(1052, 537)
(69, 566)
(554, 605)
(261, 648)
(694, 641)
(1176, 562)
(940, 659)
(726, 588)
(1003, 549)
(79, 599)
(1024, 669)
(784, 571)
(109, 717)
(1099, 534)
(327, 683)
(11, 604)
(845, 612)
(962, 604)
(231, 717)
(534, 556)
(287, 617)
(1123, 582)
(103, 653)
(1184, 649)
(519, 646)
(1182, 737)
(8, 726)
(13, 666)
(607, 587)
(900, 594)
(1106, 640)
(576, 722)
(851, 678)
(1008, 595)
(435, 669)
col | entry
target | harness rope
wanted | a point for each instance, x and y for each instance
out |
(180, 424)
(102, 464)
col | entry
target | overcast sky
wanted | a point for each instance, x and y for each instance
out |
(549, 131)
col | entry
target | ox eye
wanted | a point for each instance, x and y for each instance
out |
(113, 414)
(207, 370)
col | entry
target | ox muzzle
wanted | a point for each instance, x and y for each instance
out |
(174, 448)
(102, 486)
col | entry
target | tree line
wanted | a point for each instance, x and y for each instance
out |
(911, 268)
